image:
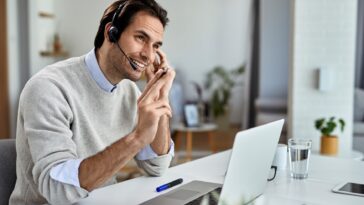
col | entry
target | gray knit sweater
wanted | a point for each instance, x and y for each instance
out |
(63, 114)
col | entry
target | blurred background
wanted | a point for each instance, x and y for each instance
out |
(241, 63)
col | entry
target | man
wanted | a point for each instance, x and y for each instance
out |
(81, 120)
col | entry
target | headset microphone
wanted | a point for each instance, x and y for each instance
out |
(132, 64)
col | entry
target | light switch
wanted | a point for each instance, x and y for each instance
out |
(325, 79)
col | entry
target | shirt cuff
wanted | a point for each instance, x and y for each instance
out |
(67, 172)
(148, 153)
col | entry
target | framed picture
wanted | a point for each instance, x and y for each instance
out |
(191, 115)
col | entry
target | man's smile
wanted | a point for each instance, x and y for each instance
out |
(140, 65)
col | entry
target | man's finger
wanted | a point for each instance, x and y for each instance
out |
(167, 86)
(164, 65)
(160, 105)
(150, 85)
(149, 72)
(164, 111)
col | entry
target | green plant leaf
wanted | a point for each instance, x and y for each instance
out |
(319, 123)
(329, 126)
(220, 82)
(342, 124)
(325, 131)
(208, 81)
(332, 119)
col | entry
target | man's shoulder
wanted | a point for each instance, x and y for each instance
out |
(58, 75)
(65, 67)
(61, 71)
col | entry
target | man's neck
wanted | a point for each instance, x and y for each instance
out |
(105, 67)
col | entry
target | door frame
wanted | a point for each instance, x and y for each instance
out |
(4, 93)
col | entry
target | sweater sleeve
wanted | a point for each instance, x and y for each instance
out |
(47, 120)
(153, 164)
(148, 153)
(156, 166)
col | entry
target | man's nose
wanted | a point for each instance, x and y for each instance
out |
(147, 53)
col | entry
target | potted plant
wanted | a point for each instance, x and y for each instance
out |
(220, 82)
(329, 142)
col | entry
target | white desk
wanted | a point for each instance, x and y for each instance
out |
(352, 154)
(324, 174)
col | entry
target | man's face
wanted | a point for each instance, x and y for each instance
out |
(140, 41)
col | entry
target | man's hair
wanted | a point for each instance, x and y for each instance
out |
(125, 18)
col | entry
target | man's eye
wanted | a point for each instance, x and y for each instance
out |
(141, 38)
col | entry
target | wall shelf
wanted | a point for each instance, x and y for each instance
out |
(45, 14)
(53, 54)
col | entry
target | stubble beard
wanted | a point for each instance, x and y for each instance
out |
(122, 68)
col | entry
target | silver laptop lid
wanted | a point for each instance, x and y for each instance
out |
(250, 162)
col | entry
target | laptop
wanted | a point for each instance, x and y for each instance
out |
(247, 173)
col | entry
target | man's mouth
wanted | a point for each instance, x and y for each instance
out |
(140, 66)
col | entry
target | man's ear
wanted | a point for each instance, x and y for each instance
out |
(106, 31)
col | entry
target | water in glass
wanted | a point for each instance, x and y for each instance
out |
(299, 156)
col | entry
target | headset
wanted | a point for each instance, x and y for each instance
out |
(114, 32)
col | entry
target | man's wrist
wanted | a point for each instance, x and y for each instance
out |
(136, 139)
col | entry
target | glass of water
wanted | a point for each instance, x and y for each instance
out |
(299, 151)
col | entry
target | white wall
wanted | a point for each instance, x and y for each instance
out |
(205, 33)
(274, 45)
(77, 23)
(323, 36)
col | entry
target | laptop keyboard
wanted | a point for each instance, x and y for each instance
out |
(211, 198)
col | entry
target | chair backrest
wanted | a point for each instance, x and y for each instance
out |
(7, 169)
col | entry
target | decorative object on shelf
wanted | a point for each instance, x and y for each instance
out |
(191, 115)
(57, 49)
(57, 46)
(45, 14)
(53, 46)
(62, 54)
(329, 142)
(220, 82)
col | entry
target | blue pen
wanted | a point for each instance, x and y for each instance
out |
(169, 185)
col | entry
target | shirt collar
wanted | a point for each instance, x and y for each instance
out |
(96, 73)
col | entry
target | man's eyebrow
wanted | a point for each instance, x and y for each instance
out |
(159, 43)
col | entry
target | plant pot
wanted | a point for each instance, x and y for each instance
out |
(329, 145)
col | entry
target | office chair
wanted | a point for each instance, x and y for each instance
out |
(7, 169)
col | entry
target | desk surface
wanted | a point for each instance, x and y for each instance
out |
(352, 154)
(324, 174)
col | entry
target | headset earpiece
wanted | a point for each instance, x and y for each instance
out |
(113, 34)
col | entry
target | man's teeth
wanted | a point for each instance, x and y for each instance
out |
(141, 65)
